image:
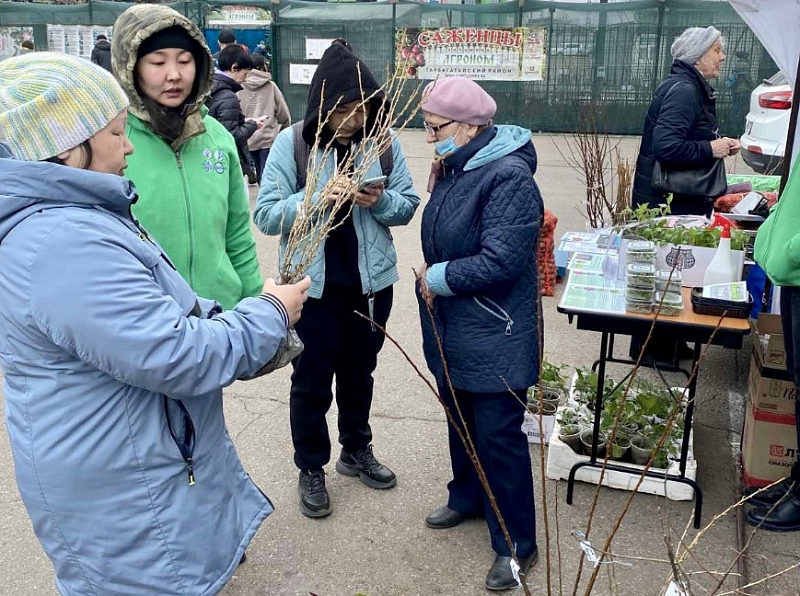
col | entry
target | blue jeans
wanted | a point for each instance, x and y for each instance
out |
(790, 318)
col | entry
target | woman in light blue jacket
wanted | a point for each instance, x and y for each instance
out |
(353, 271)
(113, 367)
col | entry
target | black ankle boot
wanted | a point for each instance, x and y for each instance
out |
(364, 464)
(767, 498)
(501, 577)
(314, 499)
(783, 517)
(444, 518)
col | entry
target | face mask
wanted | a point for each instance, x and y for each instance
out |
(446, 147)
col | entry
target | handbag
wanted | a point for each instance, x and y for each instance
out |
(707, 181)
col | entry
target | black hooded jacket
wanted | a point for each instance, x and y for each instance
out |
(678, 128)
(101, 54)
(223, 105)
(339, 70)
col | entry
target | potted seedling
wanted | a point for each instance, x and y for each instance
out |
(641, 449)
(621, 447)
(586, 443)
(570, 429)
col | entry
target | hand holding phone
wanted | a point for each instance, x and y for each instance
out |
(372, 182)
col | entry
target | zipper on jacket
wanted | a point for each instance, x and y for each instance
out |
(504, 317)
(370, 293)
(185, 446)
(188, 215)
(145, 237)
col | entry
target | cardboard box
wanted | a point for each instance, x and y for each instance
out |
(770, 390)
(692, 261)
(770, 341)
(769, 447)
(530, 426)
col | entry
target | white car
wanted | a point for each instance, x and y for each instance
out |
(570, 49)
(767, 125)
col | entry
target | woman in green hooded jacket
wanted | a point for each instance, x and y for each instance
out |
(778, 253)
(186, 168)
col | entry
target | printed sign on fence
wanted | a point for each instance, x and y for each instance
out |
(480, 53)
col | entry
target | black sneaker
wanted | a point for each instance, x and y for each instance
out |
(314, 499)
(363, 464)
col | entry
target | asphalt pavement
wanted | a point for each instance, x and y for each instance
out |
(376, 542)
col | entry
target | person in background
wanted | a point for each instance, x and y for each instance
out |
(234, 64)
(681, 131)
(26, 46)
(480, 230)
(777, 251)
(101, 53)
(186, 167)
(353, 271)
(680, 128)
(113, 367)
(263, 49)
(260, 97)
(226, 38)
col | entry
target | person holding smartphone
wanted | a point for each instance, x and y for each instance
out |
(261, 99)
(354, 271)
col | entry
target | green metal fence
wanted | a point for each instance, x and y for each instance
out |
(611, 54)
(608, 55)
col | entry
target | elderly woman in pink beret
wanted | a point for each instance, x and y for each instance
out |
(479, 231)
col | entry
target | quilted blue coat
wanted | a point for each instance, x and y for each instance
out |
(479, 235)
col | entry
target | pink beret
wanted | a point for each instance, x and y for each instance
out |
(459, 99)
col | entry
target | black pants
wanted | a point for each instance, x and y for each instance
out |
(259, 157)
(494, 421)
(337, 343)
(790, 317)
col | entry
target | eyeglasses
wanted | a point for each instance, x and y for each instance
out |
(434, 130)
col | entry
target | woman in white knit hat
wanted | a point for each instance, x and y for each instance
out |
(680, 128)
(113, 367)
(681, 133)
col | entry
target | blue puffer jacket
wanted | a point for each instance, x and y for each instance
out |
(96, 328)
(479, 235)
(279, 199)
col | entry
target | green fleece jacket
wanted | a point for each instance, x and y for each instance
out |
(193, 201)
(777, 248)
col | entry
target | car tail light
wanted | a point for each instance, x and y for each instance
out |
(755, 149)
(776, 100)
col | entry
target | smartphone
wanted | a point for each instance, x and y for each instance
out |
(373, 182)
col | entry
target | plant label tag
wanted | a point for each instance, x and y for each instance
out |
(515, 571)
(589, 551)
(674, 590)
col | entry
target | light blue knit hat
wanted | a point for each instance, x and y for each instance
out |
(50, 103)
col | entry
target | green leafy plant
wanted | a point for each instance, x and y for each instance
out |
(551, 375)
(649, 224)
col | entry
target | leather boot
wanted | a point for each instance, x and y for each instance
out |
(783, 517)
(444, 518)
(772, 495)
(501, 577)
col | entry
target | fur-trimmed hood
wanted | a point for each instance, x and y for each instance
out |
(133, 27)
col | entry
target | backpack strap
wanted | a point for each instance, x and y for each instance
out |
(302, 153)
(387, 163)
